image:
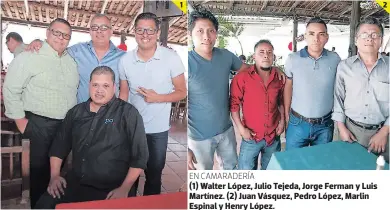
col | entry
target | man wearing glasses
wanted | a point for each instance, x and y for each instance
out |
(38, 91)
(308, 95)
(151, 78)
(361, 96)
(100, 51)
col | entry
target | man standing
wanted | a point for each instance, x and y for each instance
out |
(210, 129)
(260, 94)
(38, 91)
(14, 43)
(108, 143)
(309, 89)
(154, 77)
(97, 52)
(361, 99)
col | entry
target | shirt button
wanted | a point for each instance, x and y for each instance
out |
(86, 145)
(364, 117)
(368, 91)
(83, 160)
(91, 129)
(366, 104)
(265, 125)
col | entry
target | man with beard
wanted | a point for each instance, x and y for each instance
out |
(154, 77)
(108, 143)
(260, 94)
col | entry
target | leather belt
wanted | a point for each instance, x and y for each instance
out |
(367, 126)
(312, 120)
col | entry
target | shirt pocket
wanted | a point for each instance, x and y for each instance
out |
(381, 90)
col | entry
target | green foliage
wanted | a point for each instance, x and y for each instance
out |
(229, 29)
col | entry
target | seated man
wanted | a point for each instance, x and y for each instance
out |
(108, 142)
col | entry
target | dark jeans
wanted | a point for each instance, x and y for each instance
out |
(157, 145)
(75, 192)
(301, 133)
(41, 131)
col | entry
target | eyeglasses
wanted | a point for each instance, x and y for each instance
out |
(102, 27)
(59, 34)
(141, 31)
(372, 36)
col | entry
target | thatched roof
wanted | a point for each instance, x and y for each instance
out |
(79, 14)
(335, 12)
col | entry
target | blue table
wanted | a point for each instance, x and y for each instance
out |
(336, 155)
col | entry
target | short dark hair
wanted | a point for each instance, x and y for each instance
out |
(242, 57)
(60, 20)
(316, 20)
(201, 14)
(147, 16)
(369, 20)
(103, 70)
(262, 41)
(14, 36)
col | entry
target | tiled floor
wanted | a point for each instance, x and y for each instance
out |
(174, 174)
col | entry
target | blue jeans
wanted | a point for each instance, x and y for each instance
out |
(301, 133)
(250, 150)
(157, 146)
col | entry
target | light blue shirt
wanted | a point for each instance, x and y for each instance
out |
(156, 74)
(313, 82)
(208, 93)
(85, 56)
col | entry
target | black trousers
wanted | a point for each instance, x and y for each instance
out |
(41, 131)
(157, 145)
(76, 192)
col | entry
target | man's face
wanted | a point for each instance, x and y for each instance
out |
(101, 88)
(58, 36)
(316, 37)
(12, 44)
(146, 34)
(204, 35)
(264, 55)
(368, 39)
(100, 31)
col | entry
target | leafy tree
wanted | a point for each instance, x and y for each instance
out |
(229, 29)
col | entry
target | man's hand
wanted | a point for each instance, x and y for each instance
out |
(21, 124)
(120, 192)
(191, 160)
(346, 135)
(378, 143)
(56, 186)
(247, 134)
(150, 95)
(280, 128)
(34, 46)
(281, 75)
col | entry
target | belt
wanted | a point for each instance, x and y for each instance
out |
(29, 114)
(312, 120)
(367, 126)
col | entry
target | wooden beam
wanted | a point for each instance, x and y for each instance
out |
(139, 11)
(347, 9)
(129, 3)
(373, 11)
(27, 9)
(294, 5)
(264, 4)
(104, 6)
(323, 5)
(355, 17)
(173, 21)
(66, 5)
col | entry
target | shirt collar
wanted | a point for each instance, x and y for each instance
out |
(304, 53)
(357, 57)
(112, 46)
(48, 50)
(156, 56)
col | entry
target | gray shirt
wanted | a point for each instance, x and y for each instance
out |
(156, 74)
(360, 95)
(313, 82)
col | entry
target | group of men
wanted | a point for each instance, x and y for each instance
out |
(109, 107)
(316, 90)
